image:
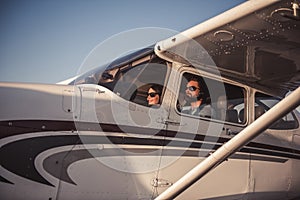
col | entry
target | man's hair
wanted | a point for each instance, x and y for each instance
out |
(195, 78)
(204, 93)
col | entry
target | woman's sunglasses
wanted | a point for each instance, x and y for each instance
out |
(192, 88)
(152, 94)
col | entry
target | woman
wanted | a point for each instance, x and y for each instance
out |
(154, 94)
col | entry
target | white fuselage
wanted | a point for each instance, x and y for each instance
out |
(85, 142)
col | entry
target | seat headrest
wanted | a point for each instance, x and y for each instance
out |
(232, 116)
(259, 110)
(242, 115)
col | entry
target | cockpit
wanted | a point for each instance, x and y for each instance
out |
(130, 78)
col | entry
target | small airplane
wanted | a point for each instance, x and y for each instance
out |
(96, 137)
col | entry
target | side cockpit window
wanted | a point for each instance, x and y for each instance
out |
(213, 99)
(264, 102)
(194, 97)
(231, 107)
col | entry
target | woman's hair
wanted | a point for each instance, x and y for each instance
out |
(157, 88)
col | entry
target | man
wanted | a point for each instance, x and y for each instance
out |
(195, 101)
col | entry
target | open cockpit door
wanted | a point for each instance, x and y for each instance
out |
(255, 44)
(193, 137)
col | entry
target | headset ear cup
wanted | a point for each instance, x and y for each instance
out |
(200, 95)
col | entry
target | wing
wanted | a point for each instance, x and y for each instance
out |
(256, 43)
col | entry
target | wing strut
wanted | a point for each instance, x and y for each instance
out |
(286, 105)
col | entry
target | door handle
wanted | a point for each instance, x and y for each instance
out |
(170, 122)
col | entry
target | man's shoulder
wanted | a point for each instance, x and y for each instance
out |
(207, 110)
(204, 110)
(186, 109)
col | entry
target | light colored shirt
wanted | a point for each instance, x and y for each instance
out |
(202, 111)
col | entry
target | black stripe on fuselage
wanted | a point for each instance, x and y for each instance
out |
(4, 180)
(10, 128)
(24, 151)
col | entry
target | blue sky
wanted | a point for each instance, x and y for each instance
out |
(47, 41)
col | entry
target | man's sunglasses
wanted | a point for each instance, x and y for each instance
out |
(192, 88)
(152, 94)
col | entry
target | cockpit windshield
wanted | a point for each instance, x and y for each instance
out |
(93, 76)
(131, 76)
